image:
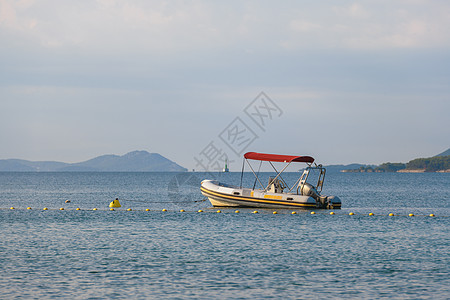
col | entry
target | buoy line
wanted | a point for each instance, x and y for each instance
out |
(168, 202)
(213, 210)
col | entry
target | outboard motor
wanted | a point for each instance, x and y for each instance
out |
(309, 190)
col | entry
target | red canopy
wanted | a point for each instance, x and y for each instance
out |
(277, 157)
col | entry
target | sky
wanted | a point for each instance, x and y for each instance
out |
(342, 81)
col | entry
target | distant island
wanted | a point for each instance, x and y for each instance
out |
(135, 161)
(439, 163)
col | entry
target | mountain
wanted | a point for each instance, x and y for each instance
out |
(445, 153)
(40, 166)
(136, 161)
(15, 165)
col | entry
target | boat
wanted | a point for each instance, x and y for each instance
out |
(277, 193)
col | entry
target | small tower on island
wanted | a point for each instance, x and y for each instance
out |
(225, 170)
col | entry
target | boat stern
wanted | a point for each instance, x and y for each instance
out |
(332, 202)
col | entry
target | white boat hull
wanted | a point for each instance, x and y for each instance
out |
(222, 195)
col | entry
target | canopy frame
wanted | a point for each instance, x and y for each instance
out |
(273, 158)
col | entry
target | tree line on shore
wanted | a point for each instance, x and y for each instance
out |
(431, 164)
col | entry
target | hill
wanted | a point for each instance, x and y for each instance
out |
(431, 164)
(136, 161)
(437, 163)
(445, 153)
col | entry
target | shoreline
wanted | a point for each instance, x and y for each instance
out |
(412, 171)
(399, 171)
(422, 171)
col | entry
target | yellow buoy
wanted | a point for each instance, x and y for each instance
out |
(236, 211)
(45, 208)
(11, 207)
(62, 208)
(78, 208)
(332, 213)
(411, 215)
(294, 212)
(148, 209)
(115, 203)
(313, 212)
(28, 207)
(351, 214)
(391, 215)
(200, 210)
(129, 209)
(219, 211)
(431, 215)
(275, 212)
(164, 209)
(370, 214)
(255, 211)
(111, 209)
(94, 209)
(181, 210)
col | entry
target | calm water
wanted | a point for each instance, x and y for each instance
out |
(152, 254)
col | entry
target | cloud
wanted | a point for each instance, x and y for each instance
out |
(354, 10)
(304, 26)
(7, 14)
(159, 26)
(386, 25)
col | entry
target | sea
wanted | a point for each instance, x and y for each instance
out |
(159, 246)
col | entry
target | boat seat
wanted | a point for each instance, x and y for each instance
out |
(275, 185)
